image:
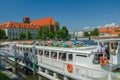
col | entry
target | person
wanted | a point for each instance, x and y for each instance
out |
(101, 49)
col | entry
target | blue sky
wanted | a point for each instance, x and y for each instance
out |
(75, 14)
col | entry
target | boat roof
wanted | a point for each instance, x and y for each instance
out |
(107, 40)
(81, 50)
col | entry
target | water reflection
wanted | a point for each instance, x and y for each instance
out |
(21, 72)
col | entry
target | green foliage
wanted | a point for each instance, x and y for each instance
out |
(22, 35)
(5, 37)
(117, 30)
(43, 33)
(29, 35)
(51, 28)
(76, 39)
(86, 34)
(58, 34)
(2, 34)
(64, 32)
(68, 37)
(3, 76)
(119, 35)
(57, 26)
(95, 32)
(51, 35)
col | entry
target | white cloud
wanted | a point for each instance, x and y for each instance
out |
(110, 25)
(98, 26)
(86, 27)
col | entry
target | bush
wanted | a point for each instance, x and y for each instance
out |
(3, 76)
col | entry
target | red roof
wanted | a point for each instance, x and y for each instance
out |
(44, 21)
(18, 25)
(110, 30)
(35, 24)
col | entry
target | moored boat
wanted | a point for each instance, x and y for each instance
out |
(79, 63)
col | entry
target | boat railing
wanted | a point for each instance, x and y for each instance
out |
(93, 74)
(7, 51)
(85, 48)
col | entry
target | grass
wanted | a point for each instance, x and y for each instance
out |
(4, 77)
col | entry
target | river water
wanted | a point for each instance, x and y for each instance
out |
(21, 72)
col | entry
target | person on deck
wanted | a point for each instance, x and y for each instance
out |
(101, 49)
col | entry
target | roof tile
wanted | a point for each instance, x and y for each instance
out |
(35, 24)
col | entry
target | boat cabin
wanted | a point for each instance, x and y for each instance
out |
(112, 52)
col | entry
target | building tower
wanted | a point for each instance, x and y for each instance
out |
(26, 19)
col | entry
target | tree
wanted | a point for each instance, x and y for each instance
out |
(95, 32)
(29, 35)
(118, 35)
(51, 35)
(2, 34)
(63, 33)
(57, 26)
(51, 28)
(5, 37)
(86, 34)
(58, 34)
(43, 33)
(22, 35)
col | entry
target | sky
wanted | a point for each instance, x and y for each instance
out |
(75, 14)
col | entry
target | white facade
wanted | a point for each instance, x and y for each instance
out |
(13, 33)
(79, 34)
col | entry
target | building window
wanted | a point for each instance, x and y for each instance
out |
(9, 34)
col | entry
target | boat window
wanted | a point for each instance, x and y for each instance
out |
(46, 53)
(35, 51)
(42, 69)
(112, 46)
(69, 78)
(62, 56)
(31, 50)
(20, 49)
(60, 77)
(28, 49)
(81, 55)
(50, 73)
(96, 59)
(12, 47)
(40, 53)
(70, 57)
(23, 49)
(54, 55)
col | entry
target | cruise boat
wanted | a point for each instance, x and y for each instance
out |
(58, 63)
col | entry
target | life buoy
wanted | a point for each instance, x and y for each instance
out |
(69, 67)
(103, 60)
